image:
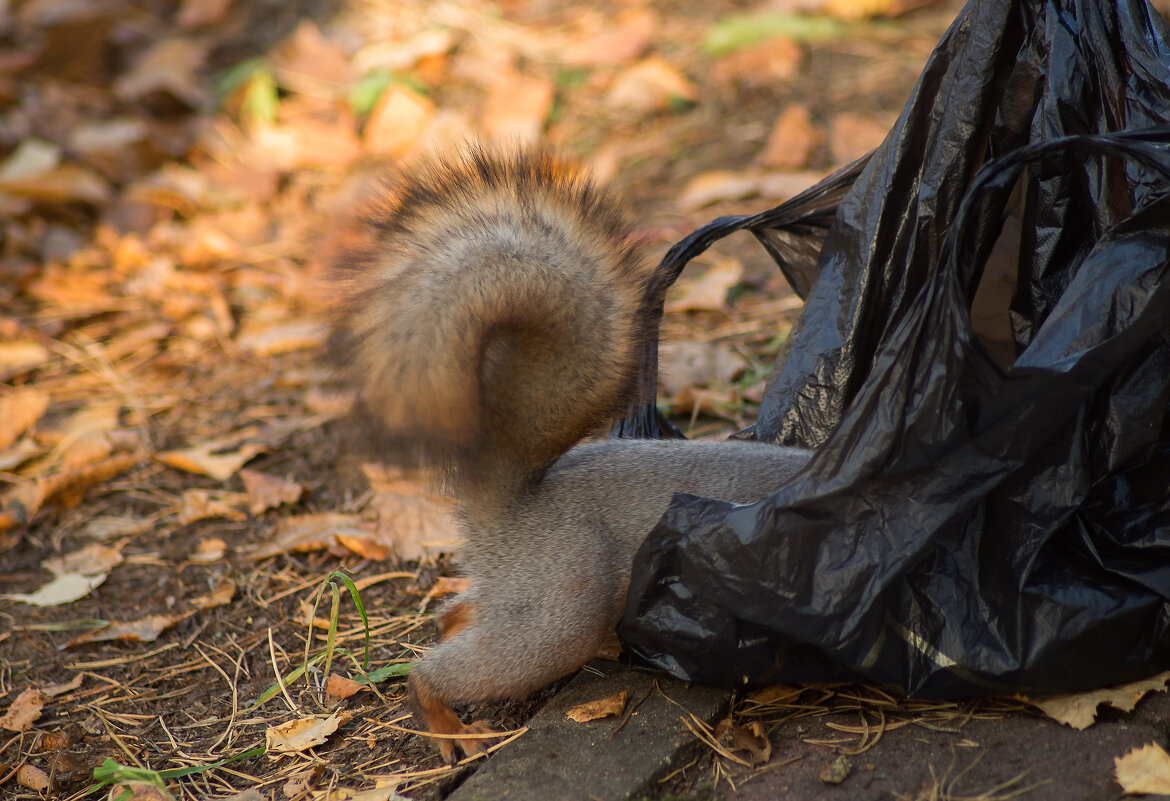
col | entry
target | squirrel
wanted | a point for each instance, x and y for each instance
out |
(492, 315)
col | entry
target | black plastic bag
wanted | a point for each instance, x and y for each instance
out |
(984, 513)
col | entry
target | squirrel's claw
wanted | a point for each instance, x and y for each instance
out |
(471, 746)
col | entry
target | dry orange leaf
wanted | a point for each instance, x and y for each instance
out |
(219, 458)
(221, 596)
(1144, 770)
(310, 63)
(74, 575)
(145, 629)
(24, 711)
(339, 687)
(853, 135)
(282, 337)
(199, 504)
(267, 492)
(172, 66)
(297, 735)
(707, 291)
(314, 533)
(19, 409)
(718, 185)
(20, 357)
(650, 85)
(793, 139)
(68, 486)
(608, 707)
(209, 550)
(617, 42)
(760, 66)
(516, 107)
(413, 522)
(1079, 710)
(398, 121)
(53, 690)
(750, 737)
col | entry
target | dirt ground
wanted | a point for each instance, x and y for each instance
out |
(174, 451)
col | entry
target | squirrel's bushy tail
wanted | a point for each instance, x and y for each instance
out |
(492, 312)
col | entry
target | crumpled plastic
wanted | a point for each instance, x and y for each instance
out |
(983, 365)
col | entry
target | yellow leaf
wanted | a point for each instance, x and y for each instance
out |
(1144, 770)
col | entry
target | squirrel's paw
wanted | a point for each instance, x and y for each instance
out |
(471, 746)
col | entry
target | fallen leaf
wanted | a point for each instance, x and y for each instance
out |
(750, 737)
(33, 778)
(108, 527)
(201, 13)
(773, 694)
(618, 41)
(301, 783)
(853, 135)
(852, 10)
(219, 458)
(339, 687)
(398, 121)
(60, 590)
(199, 504)
(209, 550)
(516, 108)
(170, 66)
(718, 185)
(792, 140)
(608, 707)
(53, 690)
(92, 559)
(707, 291)
(282, 337)
(220, 596)
(1079, 710)
(145, 629)
(686, 365)
(74, 575)
(310, 63)
(67, 487)
(650, 85)
(413, 522)
(20, 357)
(19, 409)
(139, 791)
(1144, 770)
(267, 492)
(24, 711)
(767, 64)
(18, 454)
(317, 532)
(297, 735)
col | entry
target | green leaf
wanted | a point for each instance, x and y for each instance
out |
(736, 31)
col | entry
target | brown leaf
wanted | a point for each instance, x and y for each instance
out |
(170, 66)
(608, 707)
(760, 66)
(24, 711)
(219, 458)
(53, 690)
(618, 41)
(20, 357)
(108, 527)
(338, 688)
(650, 85)
(793, 139)
(686, 365)
(201, 13)
(67, 487)
(267, 492)
(317, 532)
(750, 737)
(198, 504)
(145, 629)
(297, 735)
(836, 771)
(209, 550)
(19, 409)
(413, 522)
(852, 10)
(310, 63)
(707, 291)
(282, 337)
(853, 135)
(718, 185)
(1144, 770)
(516, 107)
(1079, 710)
(398, 121)
(221, 596)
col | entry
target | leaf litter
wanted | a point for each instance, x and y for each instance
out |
(172, 483)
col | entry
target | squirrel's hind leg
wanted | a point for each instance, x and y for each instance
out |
(486, 660)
